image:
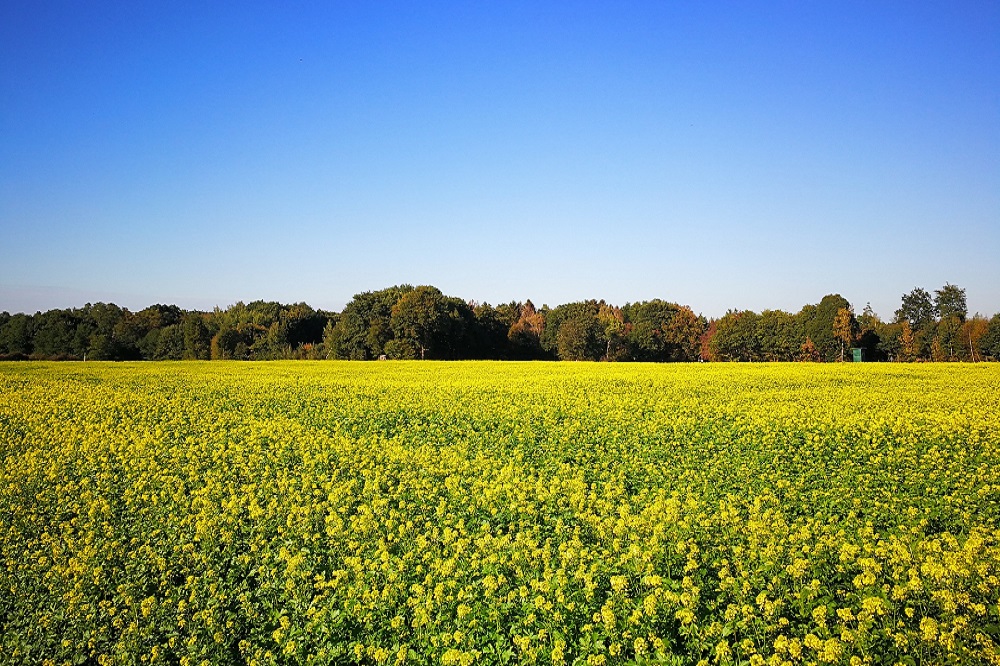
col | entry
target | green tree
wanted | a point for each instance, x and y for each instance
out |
(234, 342)
(169, 343)
(579, 339)
(870, 330)
(889, 345)
(736, 337)
(612, 324)
(365, 324)
(682, 334)
(55, 335)
(949, 301)
(916, 308)
(488, 333)
(779, 336)
(817, 324)
(436, 323)
(197, 337)
(585, 313)
(302, 325)
(949, 336)
(919, 310)
(989, 344)
(103, 320)
(16, 336)
(401, 350)
(659, 331)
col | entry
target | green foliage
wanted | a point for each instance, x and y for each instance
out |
(436, 323)
(916, 308)
(579, 339)
(779, 335)
(646, 332)
(585, 338)
(401, 349)
(363, 328)
(737, 337)
(817, 324)
(949, 301)
(56, 335)
(488, 332)
(446, 327)
(16, 334)
(197, 337)
(990, 342)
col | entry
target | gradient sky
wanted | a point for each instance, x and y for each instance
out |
(720, 155)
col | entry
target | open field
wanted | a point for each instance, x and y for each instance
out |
(466, 513)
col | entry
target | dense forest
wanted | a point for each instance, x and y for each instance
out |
(405, 322)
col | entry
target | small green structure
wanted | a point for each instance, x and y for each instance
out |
(857, 355)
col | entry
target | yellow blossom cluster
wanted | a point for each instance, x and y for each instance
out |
(499, 513)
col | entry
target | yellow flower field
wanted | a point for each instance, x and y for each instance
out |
(494, 513)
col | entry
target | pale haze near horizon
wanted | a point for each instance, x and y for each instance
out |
(716, 155)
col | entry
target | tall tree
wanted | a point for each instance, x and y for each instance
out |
(817, 324)
(660, 331)
(579, 339)
(365, 324)
(973, 331)
(435, 323)
(197, 337)
(55, 335)
(303, 325)
(488, 334)
(844, 329)
(870, 331)
(989, 344)
(907, 343)
(16, 336)
(524, 335)
(682, 334)
(585, 313)
(779, 335)
(736, 337)
(916, 308)
(950, 305)
(612, 323)
(949, 301)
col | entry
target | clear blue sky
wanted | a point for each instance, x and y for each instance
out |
(721, 155)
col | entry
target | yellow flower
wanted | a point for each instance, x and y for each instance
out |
(928, 629)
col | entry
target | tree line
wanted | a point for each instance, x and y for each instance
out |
(406, 322)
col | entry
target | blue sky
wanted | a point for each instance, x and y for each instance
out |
(720, 155)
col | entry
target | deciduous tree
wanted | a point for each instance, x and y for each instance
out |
(907, 343)
(844, 329)
(525, 334)
(949, 301)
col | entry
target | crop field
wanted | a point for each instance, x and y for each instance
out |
(499, 513)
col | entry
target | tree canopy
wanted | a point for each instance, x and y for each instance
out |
(406, 322)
